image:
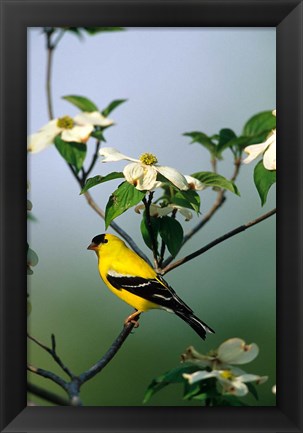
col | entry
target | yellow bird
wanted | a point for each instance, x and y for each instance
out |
(133, 280)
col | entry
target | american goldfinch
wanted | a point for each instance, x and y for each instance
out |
(133, 280)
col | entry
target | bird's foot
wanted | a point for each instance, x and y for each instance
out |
(132, 319)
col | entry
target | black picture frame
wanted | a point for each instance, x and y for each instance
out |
(16, 16)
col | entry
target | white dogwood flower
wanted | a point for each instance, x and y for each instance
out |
(267, 148)
(143, 172)
(156, 210)
(233, 351)
(77, 129)
(231, 383)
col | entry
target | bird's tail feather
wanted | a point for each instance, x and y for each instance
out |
(200, 327)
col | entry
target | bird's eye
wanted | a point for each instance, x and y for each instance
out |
(100, 239)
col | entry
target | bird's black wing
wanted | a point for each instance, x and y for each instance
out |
(155, 290)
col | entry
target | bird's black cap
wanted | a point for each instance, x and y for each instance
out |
(99, 239)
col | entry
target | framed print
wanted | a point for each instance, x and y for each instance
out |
(139, 134)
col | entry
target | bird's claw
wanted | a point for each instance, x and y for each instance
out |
(131, 319)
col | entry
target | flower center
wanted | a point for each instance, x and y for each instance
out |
(225, 374)
(148, 159)
(65, 122)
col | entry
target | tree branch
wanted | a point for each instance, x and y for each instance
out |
(72, 387)
(53, 353)
(91, 372)
(217, 241)
(93, 162)
(89, 199)
(48, 375)
(50, 51)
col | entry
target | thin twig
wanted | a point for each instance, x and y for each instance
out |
(53, 353)
(217, 241)
(59, 37)
(115, 227)
(50, 51)
(91, 372)
(48, 375)
(220, 200)
(81, 182)
(73, 386)
(93, 162)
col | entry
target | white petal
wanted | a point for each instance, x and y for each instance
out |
(274, 112)
(269, 158)
(254, 151)
(236, 371)
(94, 118)
(39, 141)
(236, 351)
(142, 176)
(112, 155)
(51, 127)
(194, 183)
(184, 212)
(192, 355)
(147, 182)
(274, 389)
(199, 375)
(79, 134)
(173, 176)
(155, 210)
(236, 388)
(132, 172)
(252, 378)
(159, 211)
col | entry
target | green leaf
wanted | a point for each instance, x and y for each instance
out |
(264, 179)
(122, 199)
(75, 30)
(189, 199)
(260, 123)
(244, 140)
(95, 30)
(96, 180)
(98, 135)
(201, 138)
(114, 104)
(225, 137)
(29, 205)
(84, 104)
(74, 153)
(193, 391)
(252, 390)
(155, 222)
(172, 376)
(32, 258)
(171, 232)
(210, 179)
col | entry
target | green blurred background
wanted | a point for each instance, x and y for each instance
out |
(175, 80)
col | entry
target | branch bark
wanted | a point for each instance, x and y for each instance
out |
(217, 241)
(73, 385)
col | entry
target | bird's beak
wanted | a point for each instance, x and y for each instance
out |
(92, 246)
